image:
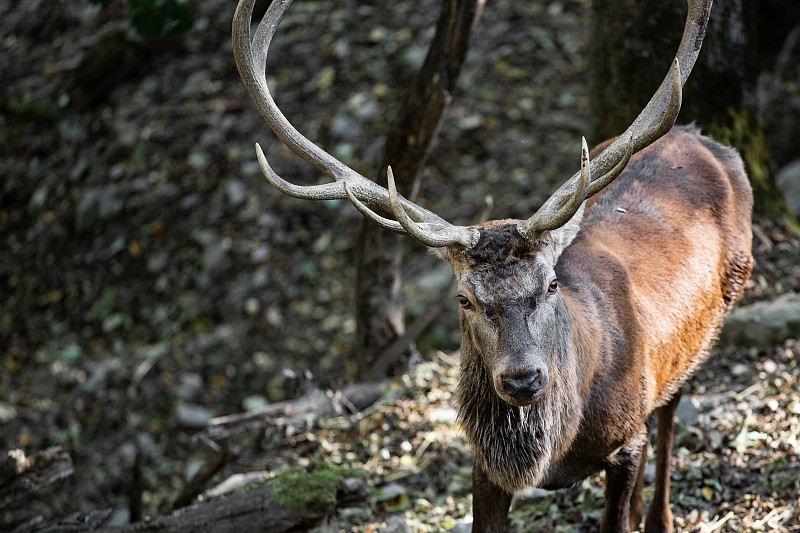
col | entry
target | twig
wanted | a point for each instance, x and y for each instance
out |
(718, 524)
(779, 513)
(195, 486)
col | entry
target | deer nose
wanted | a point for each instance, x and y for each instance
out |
(525, 385)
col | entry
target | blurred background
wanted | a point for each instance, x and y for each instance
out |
(150, 278)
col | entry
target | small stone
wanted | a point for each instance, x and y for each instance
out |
(443, 415)
(687, 410)
(395, 524)
(252, 306)
(390, 492)
(254, 401)
(236, 192)
(192, 415)
(157, 262)
(740, 369)
(7, 412)
(462, 527)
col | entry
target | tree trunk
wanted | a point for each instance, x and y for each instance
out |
(379, 307)
(633, 42)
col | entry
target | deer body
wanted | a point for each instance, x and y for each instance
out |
(661, 256)
(581, 321)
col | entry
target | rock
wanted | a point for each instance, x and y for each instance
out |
(190, 386)
(392, 491)
(762, 323)
(395, 524)
(97, 203)
(99, 378)
(7, 412)
(443, 415)
(462, 527)
(788, 180)
(236, 191)
(352, 492)
(121, 516)
(254, 401)
(192, 415)
(688, 409)
(157, 262)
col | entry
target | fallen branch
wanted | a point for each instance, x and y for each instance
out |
(302, 412)
(21, 476)
(195, 486)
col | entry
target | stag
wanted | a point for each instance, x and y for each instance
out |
(580, 322)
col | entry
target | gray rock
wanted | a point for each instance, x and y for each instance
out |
(788, 180)
(100, 203)
(192, 415)
(254, 401)
(390, 492)
(462, 527)
(395, 524)
(688, 409)
(444, 414)
(120, 516)
(7, 412)
(157, 262)
(190, 386)
(763, 323)
(236, 191)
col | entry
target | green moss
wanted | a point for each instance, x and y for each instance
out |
(310, 487)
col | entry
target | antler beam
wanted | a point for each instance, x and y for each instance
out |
(656, 119)
(251, 60)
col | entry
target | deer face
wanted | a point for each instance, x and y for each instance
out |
(512, 312)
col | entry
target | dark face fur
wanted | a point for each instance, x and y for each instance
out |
(516, 385)
(510, 300)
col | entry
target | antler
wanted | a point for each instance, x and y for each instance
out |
(251, 59)
(655, 120)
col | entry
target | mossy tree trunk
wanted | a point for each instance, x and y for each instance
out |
(379, 307)
(632, 45)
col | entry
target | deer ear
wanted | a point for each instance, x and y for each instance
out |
(441, 253)
(563, 236)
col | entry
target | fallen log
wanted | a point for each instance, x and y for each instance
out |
(21, 477)
(295, 500)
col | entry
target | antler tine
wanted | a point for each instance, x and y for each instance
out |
(559, 208)
(656, 119)
(436, 238)
(251, 59)
(385, 223)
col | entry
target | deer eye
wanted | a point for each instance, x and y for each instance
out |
(464, 302)
(552, 287)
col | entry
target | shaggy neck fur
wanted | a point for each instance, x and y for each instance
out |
(516, 445)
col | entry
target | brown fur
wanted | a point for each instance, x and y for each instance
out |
(661, 256)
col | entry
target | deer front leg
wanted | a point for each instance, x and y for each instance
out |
(623, 486)
(659, 517)
(490, 504)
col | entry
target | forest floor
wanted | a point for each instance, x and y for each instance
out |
(151, 279)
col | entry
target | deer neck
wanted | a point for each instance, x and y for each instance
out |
(516, 445)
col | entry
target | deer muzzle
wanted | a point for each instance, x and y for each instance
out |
(522, 387)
